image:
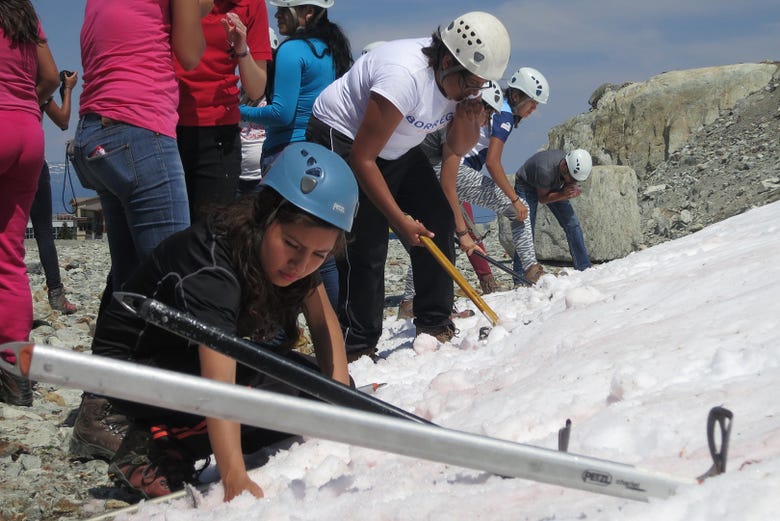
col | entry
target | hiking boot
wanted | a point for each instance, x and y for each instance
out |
(534, 273)
(15, 390)
(354, 354)
(442, 333)
(98, 431)
(153, 467)
(488, 284)
(405, 309)
(58, 302)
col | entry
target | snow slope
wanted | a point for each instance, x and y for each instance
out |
(635, 352)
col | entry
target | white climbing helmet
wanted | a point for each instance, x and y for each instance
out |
(480, 43)
(579, 163)
(295, 3)
(371, 46)
(532, 82)
(274, 39)
(493, 96)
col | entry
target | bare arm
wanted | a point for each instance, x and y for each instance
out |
(253, 73)
(48, 77)
(187, 38)
(379, 123)
(326, 335)
(570, 191)
(498, 175)
(60, 115)
(450, 164)
(224, 435)
(463, 131)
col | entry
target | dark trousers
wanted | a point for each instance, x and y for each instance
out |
(413, 183)
(40, 216)
(211, 157)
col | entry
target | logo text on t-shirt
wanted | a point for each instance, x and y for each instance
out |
(429, 127)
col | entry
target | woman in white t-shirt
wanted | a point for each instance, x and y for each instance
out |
(375, 116)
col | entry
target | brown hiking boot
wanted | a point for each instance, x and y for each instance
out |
(15, 390)
(58, 302)
(488, 284)
(534, 273)
(98, 431)
(354, 354)
(442, 333)
(405, 309)
(153, 467)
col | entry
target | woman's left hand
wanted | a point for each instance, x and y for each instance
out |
(467, 245)
(235, 31)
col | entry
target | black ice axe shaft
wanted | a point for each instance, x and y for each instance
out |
(501, 266)
(257, 357)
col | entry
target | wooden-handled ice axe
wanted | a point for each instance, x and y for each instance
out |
(459, 279)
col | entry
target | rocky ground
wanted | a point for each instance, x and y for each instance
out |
(727, 168)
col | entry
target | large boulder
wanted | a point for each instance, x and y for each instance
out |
(608, 212)
(643, 124)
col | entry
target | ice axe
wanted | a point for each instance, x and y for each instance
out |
(459, 279)
(523, 280)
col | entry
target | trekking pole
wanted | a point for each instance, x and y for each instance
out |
(501, 266)
(459, 279)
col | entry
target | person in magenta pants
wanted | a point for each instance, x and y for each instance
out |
(28, 75)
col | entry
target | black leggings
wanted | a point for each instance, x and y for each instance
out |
(40, 216)
(412, 182)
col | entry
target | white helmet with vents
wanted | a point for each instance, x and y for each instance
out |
(532, 82)
(579, 163)
(493, 96)
(480, 43)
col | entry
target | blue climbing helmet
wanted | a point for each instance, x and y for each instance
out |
(316, 180)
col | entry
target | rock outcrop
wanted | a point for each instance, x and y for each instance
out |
(704, 145)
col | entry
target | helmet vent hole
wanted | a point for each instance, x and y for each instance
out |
(308, 184)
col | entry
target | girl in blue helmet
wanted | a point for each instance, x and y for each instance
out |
(249, 269)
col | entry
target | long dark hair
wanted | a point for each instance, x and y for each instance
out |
(336, 44)
(265, 307)
(19, 22)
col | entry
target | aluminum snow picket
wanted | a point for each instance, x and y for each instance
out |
(258, 358)
(284, 413)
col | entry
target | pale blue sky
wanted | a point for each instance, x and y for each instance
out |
(577, 45)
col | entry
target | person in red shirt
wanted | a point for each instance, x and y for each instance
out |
(208, 134)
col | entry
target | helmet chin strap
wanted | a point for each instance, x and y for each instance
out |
(295, 18)
(441, 73)
(312, 21)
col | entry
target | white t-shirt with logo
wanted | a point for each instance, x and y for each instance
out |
(399, 72)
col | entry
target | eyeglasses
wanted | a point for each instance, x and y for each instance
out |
(470, 82)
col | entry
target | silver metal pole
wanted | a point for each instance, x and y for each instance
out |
(206, 397)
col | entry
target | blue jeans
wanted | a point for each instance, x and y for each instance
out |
(140, 180)
(564, 214)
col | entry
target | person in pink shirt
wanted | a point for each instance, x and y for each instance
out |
(125, 149)
(237, 47)
(28, 76)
